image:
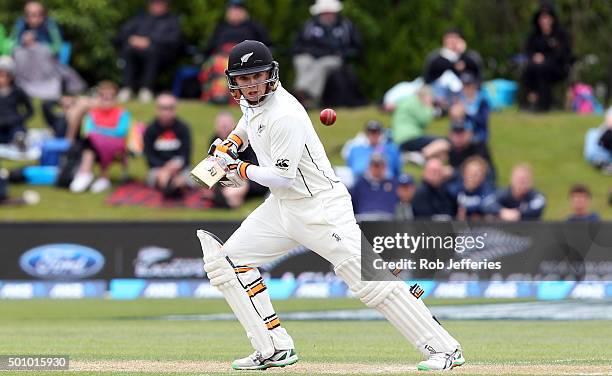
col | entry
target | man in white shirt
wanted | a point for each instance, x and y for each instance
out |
(308, 206)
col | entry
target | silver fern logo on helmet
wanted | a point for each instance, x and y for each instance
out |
(244, 58)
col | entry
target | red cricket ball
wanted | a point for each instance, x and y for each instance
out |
(327, 116)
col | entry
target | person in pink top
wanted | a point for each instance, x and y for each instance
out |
(105, 129)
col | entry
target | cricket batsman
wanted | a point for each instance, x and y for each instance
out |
(309, 206)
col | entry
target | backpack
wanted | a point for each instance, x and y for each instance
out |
(69, 164)
(583, 100)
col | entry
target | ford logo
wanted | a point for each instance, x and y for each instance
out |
(61, 261)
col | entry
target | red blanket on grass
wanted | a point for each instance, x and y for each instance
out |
(140, 194)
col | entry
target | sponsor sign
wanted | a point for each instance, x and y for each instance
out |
(479, 251)
(61, 261)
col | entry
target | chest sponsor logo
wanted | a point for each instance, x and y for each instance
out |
(282, 163)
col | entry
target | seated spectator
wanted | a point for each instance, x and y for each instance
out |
(55, 114)
(444, 66)
(147, 43)
(37, 69)
(549, 58)
(598, 145)
(105, 129)
(462, 143)
(374, 195)
(40, 26)
(520, 201)
(167, 148)
(476, 107)
(475, 190)
(405, 194)
(359, 155)
(15, 106)
(6, 45)
(322, 46)
(227, 197)
(432, 199)
(409, 121)
(37, 41)
(235, 28)
(580, 199)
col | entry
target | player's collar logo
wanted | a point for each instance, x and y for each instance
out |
(260, 129)
(244, 58)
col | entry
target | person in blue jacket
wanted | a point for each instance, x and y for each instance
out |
(520, 201)
(359, 156)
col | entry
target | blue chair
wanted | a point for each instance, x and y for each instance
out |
(65, 52)
(182, 74)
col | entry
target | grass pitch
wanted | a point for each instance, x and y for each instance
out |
(127, 338)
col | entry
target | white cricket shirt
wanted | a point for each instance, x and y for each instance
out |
(282, 135)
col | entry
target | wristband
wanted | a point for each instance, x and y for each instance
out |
(242, 169)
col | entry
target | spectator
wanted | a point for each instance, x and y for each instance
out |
(374, 195)
(580, 199)
(15, 106)
(463, 145)
(520, 201)
(475, 190)
(37, 69)
(57, 119)
(105, 130)
(444, 66)
(167, 147)
(322, 46)
(147, 43)
(549, 58)
(598, 145)
(234, 197)
(6, 44)
(359, 155)
(409, 121)
(36, 25)
(235, 28)
(405, 194)
(432, 199)
(476, 107)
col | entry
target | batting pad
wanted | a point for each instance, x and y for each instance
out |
(257, 291)
(407, 313)
(221, 275)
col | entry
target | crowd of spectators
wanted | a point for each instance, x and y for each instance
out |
(459, 176)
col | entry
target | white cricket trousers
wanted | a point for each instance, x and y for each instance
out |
(324, 223)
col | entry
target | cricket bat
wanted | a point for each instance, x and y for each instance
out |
(208, 172)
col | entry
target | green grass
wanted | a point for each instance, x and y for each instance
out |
(106, 330)
(551, 143)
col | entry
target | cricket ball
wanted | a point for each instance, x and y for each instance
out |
(328, 117)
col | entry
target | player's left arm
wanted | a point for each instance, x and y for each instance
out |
(287, 142)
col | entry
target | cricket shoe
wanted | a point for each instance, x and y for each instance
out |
(442, 361)
(255, 361)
